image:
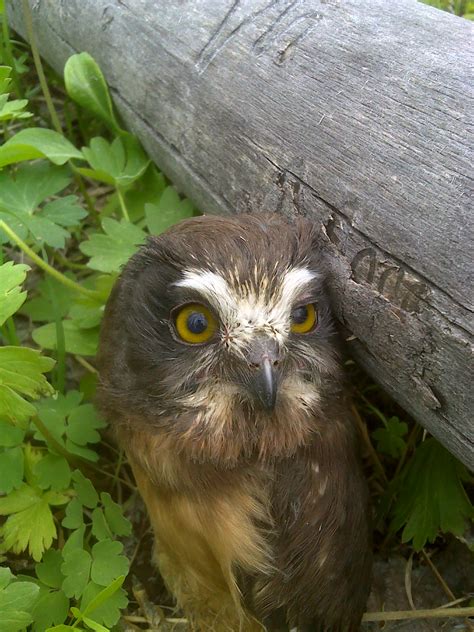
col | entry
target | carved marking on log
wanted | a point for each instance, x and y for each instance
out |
(395, 283)
(283, 32)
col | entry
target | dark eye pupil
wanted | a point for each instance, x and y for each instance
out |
(299, 315)
(197, 323)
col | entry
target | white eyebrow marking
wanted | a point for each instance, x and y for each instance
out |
(244, 310)
(293, 282)
(212, 286)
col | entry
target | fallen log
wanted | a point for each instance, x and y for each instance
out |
(352, 113)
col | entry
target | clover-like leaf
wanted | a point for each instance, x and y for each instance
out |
(83, 425)
(11, 296)
(49, 570)
(53, 472)
(21, 375)
(109, 251)
(76, 570)
(169, 209)
(118, 163)
(107, 562)
(74, 518)
(117, 522)
(85, 490)
(390, 438)
(51, 609)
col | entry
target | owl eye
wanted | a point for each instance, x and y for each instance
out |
(195, 323)
(303, 319)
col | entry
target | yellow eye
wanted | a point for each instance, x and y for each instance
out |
(303, 319)
(195, 323)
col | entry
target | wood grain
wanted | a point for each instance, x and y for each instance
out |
(357, 114)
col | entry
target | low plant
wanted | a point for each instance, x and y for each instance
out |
(77, 197)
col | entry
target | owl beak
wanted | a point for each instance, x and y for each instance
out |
(264, 383)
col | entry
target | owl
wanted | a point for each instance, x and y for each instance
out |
(221, 377)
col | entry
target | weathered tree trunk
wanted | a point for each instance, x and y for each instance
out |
(353, 113)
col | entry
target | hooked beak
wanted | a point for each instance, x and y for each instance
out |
(264, 384)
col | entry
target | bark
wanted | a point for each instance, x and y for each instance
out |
(353, 113)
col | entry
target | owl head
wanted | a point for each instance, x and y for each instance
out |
(218, 336)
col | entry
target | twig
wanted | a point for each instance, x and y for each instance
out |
(368, 442)
(435, 613)
(438, 576)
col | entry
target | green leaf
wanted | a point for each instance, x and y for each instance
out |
(100, 528)
(431, 496)
(107, 562)
(76, 570)
(74, 517)
(49, 570)
(16, 601)
(78, 341)
(75, 541)
(117, 522)
(37, 142)
(85, 490)
(53, 472)
(93, 625)
(104, 604)
(118, 163)
(64, 211)
(169, 210)
(110, 251)
(21, 375)
(11, 296)
(83, 425)
(10, 436)
(51, 609)
(5, 576)
(86, 85)
(32, 526)
(40, 308)
(10, 110)
(390, 438)
(11, 469)
(148, 188)
(20, 197)
(54, 411)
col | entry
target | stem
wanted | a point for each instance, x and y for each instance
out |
(39, 66)
(122, 204)
(435, 613)
(53, 442)
(45, 266)
(86, 365)
(60, 368)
